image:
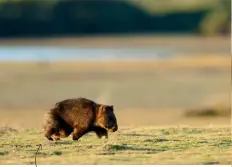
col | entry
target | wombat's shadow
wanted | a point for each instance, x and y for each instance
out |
(147, 135)
(159, 140)
(59, 142)
(134, 134)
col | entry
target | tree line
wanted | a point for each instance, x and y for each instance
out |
(76, 17)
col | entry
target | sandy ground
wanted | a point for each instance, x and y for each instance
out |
(28, 91)
(126, 118)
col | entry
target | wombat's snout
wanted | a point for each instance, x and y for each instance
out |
(115, 128)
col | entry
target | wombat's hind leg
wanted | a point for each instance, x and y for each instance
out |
(64, 133)
(64, 129)
(48, 133)
(50, 125)
(61, 134)
(56, 136)
(49, 138)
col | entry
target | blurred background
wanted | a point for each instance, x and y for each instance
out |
(158, 62)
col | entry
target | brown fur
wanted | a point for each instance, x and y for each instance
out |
(79, 116)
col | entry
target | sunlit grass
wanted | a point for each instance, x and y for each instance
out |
(172, 145)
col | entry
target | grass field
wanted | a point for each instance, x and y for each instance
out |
(148, 145)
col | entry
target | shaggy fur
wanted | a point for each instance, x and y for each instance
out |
(79, 116)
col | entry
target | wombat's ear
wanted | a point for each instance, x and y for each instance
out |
(111, 107)
(101, 108)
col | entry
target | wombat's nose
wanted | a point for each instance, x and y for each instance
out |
(115, 128)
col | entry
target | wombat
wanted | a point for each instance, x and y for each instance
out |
(79, 116)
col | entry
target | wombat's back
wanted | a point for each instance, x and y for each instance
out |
(74, 110)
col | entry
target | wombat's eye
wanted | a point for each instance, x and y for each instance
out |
(111, 118)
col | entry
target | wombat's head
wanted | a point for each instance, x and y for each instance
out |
(106, 119)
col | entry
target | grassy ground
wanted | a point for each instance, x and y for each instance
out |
(148, 145)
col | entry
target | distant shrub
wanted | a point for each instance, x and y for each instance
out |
(209, 112)
(218, 19)
(6, 129)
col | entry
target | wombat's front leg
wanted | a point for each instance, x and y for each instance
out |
(77, 133)
(101, 132)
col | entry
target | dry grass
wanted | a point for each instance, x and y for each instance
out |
(157, 93)
(144, 145)
(137, 88)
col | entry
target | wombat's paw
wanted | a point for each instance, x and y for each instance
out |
(75, 138)
(55, 138)
(50, 138)
(105, 137)
(102, 135)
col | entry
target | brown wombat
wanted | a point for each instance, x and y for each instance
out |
(79, 116)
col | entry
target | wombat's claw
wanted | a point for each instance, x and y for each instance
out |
(75, 138)
(104, 137)
(50, 138)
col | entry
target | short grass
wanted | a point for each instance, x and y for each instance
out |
(148, 145)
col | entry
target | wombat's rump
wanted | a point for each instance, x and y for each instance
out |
(79, 116)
